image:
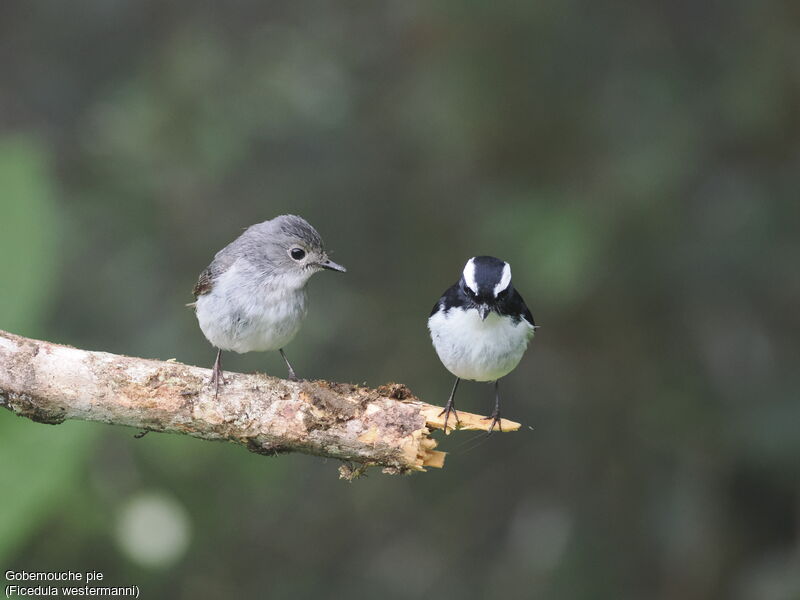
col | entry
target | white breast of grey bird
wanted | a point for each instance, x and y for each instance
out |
(476, 349)
(251, 310)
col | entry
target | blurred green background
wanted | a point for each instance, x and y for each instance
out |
(636, 162)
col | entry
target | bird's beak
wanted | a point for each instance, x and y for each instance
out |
(483, 311)
(329, 264)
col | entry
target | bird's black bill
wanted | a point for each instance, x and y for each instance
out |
(484, 311)
(332, 266)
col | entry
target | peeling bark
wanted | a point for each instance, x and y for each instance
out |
(387, 426)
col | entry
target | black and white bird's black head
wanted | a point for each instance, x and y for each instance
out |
(486, 283)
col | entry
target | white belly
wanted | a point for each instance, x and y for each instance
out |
(236, 315)
(479, 350)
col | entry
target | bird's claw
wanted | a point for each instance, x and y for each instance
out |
(496, 420)
(449, 408)
(216, 379)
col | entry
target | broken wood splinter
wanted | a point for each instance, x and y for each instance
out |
(466, 421)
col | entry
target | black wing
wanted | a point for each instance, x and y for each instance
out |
(454, 296)
(514, 306)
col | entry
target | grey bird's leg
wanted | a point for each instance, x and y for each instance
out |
(292, 374)
(496, 413)
(450, 407)
(216, 373)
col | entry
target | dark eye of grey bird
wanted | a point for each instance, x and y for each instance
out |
(298, 253)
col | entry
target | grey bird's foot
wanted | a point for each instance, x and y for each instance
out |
(216, 374)
(217, 379)
(292, 375)
(450, 407)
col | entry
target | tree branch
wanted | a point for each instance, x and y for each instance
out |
(387, 426)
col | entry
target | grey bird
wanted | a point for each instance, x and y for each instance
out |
(252, 297)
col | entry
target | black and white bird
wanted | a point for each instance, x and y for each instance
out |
(480, 328)
(252, 297)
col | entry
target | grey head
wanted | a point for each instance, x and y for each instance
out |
(286, 246)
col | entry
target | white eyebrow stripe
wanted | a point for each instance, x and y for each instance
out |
(505, 280)
(469, 275)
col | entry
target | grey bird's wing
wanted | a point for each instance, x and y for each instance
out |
(227, 256)
(204, 283)
(221, 263)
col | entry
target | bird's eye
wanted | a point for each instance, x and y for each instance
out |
(297, 253)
